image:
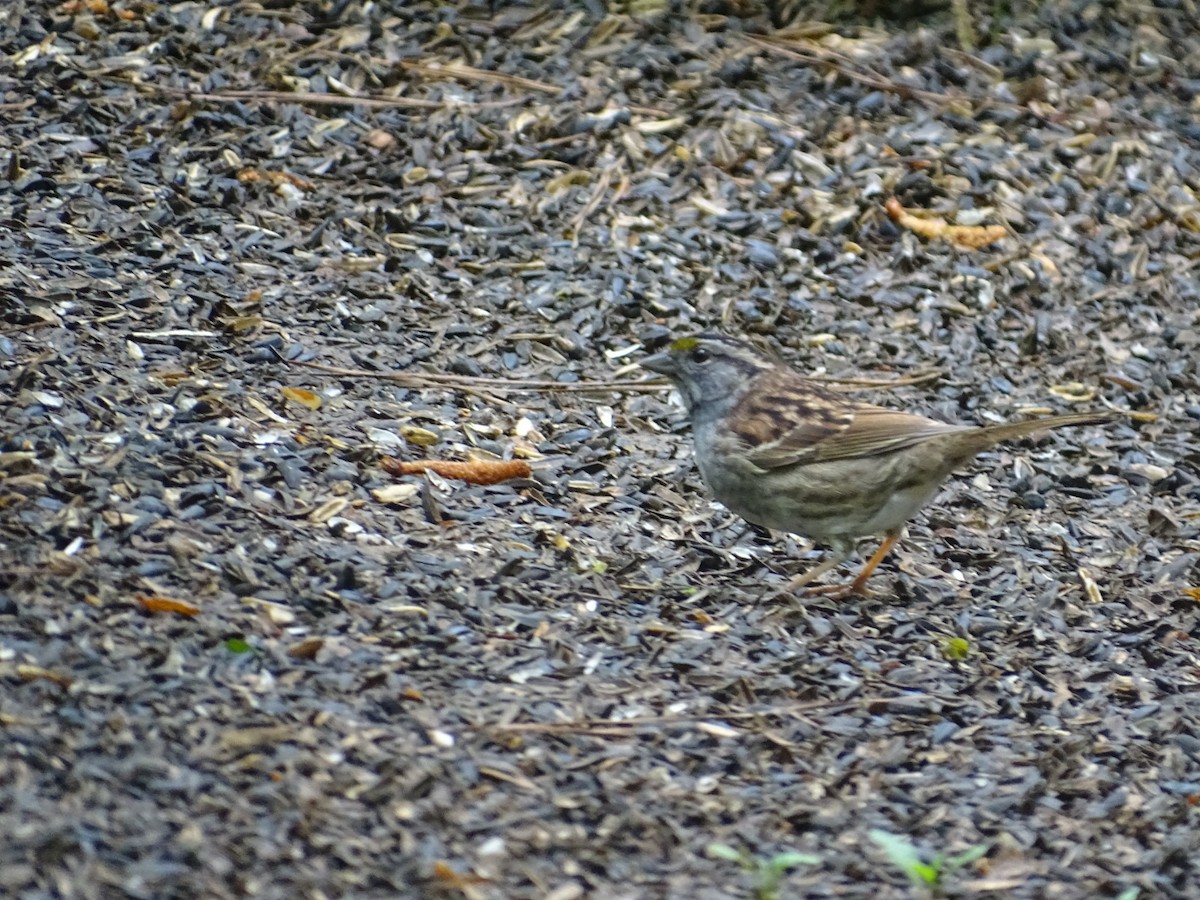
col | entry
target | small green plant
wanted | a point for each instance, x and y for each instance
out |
(241, 647)
(767, 871)
(956, 649)
(238, 645)
(929, 875)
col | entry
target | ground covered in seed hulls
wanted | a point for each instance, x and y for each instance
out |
(240, 660)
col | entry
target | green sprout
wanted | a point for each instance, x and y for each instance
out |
(241, 646)
(767, 871)
(929, 875)
(238, 645)
(956, 648)
(682, 345)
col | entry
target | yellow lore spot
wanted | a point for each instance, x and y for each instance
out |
(683, 345)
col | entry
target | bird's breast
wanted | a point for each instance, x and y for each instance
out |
(826, 500)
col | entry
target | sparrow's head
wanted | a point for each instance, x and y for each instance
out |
(710, 370)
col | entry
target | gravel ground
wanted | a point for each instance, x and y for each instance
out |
(238, 659)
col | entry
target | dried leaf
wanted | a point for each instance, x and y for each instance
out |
(35, 673)
(447, 878)
(328, 510)
(245, 323)
(481, 471)
(567, 180)
(395, 493)
(168, 605)
(1149, 471)
(238, 740)
(1090, 588)
(1073, 392)
(276, 178)
(379, 139)
(661, 126)
(302, 397)
(422, 437)
(970, 237)
(716, 729)
(306, 649)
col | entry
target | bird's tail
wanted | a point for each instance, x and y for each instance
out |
(1010, 430)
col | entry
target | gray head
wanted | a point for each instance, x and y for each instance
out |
(710, 370)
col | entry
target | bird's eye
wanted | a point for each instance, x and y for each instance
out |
(701, 354)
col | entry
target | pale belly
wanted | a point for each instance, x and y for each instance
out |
(822, 501)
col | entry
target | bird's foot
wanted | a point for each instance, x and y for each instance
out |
(839, 591)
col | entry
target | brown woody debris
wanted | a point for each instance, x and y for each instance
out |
(479, 471)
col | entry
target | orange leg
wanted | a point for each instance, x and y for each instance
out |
(832, 561)
(859, 584)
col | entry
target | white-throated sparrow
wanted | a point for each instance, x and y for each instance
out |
(783, 451)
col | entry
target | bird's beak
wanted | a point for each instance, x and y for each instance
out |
(662, 363)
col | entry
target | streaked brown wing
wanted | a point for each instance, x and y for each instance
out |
(877, 431)
(827, 427)
(783, 415)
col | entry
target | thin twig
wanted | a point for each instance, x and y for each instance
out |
(624, 726)
(916, 378)
(369, 100)
(845, 66)
(470, 382)
(602, 184)
(851, 69)
(32, 326)
(470, 73)
(478, 384)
